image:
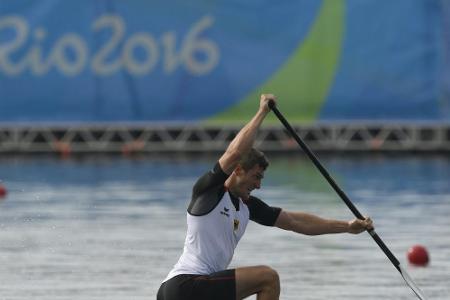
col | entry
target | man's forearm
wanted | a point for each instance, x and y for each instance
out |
(313, 225)
(245, 139)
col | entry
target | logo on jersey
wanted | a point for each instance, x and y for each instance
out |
(236, 224)
(225, 212)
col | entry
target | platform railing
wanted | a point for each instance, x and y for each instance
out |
(195, 138)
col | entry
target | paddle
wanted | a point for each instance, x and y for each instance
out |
(347, 201)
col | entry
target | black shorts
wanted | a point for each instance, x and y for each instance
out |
(216, 286)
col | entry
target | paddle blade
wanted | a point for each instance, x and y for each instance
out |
(411, 283)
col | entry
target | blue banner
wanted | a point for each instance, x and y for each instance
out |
(132, 61)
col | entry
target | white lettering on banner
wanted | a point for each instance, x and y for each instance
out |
(146, 42)
(38, 65)
(99, 66)
(192, 44)
(198, 55)
(22, 32)
(74, 42)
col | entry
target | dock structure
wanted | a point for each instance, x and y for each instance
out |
(172, 138)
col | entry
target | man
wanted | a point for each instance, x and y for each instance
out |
(218, 214)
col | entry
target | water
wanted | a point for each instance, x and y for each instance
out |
(111, 228)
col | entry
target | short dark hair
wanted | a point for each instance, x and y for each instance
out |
(252, 158)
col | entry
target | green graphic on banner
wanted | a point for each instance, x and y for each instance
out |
(303, 82)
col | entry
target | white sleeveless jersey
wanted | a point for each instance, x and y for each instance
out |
(211, 239)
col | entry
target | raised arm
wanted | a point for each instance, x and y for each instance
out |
(309, 224)
(244, 140)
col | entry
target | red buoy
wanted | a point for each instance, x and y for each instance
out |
(418, 255)
(3, 191)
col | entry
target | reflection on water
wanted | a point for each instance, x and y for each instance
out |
(111, 228)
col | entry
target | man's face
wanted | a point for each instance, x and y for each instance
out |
(249, 180)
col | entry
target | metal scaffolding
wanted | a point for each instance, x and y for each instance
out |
(129, 139)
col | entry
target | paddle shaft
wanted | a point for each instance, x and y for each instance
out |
(334, 185)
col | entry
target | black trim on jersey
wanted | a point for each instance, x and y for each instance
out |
(262, 213)
(207, 192)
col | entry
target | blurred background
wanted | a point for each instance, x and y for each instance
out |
(110, 110)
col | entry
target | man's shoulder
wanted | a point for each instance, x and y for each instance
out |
(207, 191)
(203, 203)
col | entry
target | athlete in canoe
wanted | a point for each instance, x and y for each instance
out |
(220, 208)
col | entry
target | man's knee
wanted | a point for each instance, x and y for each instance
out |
(270, 276)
